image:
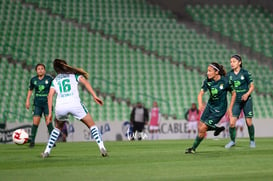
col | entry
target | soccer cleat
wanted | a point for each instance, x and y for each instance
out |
(218, 130)
(103, 152)
(31, 145)
(252, 144)
(190, 151)
(44, 155)
(230, 144)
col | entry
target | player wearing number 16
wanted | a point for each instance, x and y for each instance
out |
(65, 85)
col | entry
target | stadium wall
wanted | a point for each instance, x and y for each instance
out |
(116, 130)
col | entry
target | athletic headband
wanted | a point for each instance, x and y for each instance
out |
(214, 67)
(237, 57)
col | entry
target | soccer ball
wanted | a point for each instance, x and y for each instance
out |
(20, 136)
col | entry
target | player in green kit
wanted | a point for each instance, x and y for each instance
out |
(218, 86)
(41, 85)
(244, 86)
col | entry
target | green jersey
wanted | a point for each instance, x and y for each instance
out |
(218, 93)
(41, 89)
(240, 82)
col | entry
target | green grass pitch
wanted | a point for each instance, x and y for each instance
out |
(140, 160)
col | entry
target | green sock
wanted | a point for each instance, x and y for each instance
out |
(232, 133)
(197, 141)
(34, 129)
(251, 132)
(50, 128)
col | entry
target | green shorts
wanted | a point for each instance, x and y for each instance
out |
(246, 106)
(211, 116)
(39, 110)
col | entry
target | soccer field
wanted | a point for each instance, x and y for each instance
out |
(140, 160)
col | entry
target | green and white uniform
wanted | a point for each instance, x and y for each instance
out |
(217, 103)
(41, 90)
(241, 82)
(68, 102)
(68, 99)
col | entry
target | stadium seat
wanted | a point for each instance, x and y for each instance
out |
(114, 67)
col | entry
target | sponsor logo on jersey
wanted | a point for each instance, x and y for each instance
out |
(41, 88)
(237, 83)
(214, 91)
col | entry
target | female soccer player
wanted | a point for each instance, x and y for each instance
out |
(65, 85)
(41, 85)
(243, 84)
(218, 86)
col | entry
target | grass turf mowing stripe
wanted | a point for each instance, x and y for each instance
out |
(140, 160)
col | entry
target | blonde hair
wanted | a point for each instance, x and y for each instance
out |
(60, 66)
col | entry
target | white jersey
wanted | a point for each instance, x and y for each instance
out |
(66, 87)
(68, 99)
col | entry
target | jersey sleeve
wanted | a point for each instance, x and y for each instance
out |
(230, 86)
(50, 78)
(31, 85)
(77, 76)
(230, 83)
(52, 85)
(248, 77)
(204, 86)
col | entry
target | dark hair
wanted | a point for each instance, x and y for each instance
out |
(238, 57)
(218, 67)
(39, 64)
(60, 66)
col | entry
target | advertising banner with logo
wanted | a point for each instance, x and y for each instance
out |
(116, 130)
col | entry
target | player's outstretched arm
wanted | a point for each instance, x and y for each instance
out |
(89, 88)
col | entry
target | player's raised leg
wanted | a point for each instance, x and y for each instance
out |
(88, 121)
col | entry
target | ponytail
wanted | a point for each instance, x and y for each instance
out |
(60, 66)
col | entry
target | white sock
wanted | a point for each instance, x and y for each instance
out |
(97, 136)
(156, 135)
(52, 139)
(152, 136)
